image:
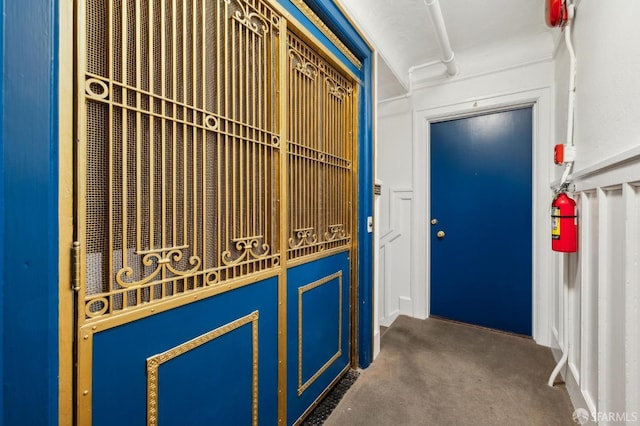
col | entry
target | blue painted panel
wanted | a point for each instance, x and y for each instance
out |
(319, 332)
(29, 226)
(218, 372)
(365, 209)
(211, 372)
(2, 223)
(481, 195)
(321, 325)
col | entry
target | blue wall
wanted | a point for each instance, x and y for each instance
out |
(2, 207)
(29, 234)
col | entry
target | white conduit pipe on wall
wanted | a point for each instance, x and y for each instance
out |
(572, 95)
(572, 90)
(448, 58)
(410, 90)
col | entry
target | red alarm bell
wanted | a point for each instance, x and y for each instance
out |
(556, 13)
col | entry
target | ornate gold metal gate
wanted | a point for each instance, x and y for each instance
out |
(182, 148)
(320, 148)
(181, 131)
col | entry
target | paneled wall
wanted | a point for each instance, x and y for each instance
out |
(395, 257)
(601, 287)
(394, 223)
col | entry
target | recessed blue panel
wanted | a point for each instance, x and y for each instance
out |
(320, 308)
(320, 325)
(189, 383)
(120, 356)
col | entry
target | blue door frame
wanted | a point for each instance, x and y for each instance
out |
(29, 193)
(29, 176)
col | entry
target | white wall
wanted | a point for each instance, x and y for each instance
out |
(602, 281)
(501, 77)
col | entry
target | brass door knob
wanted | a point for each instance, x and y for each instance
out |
(440, 234)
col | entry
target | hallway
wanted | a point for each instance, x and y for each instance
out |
(233, 198)
(435, 372)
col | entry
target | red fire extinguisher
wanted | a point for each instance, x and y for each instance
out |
(564, 224)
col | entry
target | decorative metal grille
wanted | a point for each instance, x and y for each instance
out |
(320, 149)
(179, 156)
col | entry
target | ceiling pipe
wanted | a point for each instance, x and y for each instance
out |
(448, 58)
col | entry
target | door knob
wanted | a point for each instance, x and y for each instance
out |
(440, 234)
(434, 221)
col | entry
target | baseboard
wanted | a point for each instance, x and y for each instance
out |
(387, 321)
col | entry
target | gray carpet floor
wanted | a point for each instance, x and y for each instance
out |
(436, 372)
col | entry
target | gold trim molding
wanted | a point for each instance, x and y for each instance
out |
(315, 19)
(154, 362)
(303, 386)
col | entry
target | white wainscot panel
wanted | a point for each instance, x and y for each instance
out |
(611, 378)
(588, 246)
(631, 193)
(395, 258)
(574, 292)
(557, 299)
(602, 282)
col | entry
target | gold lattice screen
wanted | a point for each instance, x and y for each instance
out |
(179, 124)
(320, 149)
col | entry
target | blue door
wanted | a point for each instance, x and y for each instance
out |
(481, 220)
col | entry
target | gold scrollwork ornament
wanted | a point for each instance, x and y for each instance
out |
(161, 261)
(251, 20)
(304, 237)
(299, 64)
(335, 232)
(247, 247)
(338, 91)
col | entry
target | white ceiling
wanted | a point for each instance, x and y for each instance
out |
(403, 35)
